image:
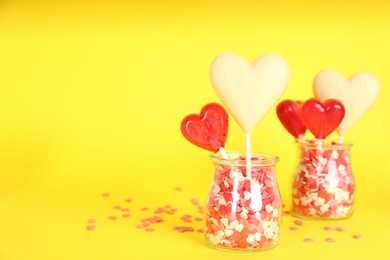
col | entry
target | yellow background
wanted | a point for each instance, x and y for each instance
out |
(92, 94)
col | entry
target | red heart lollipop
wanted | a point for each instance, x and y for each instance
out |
(289, 115)
(207, 130)
(322, 118)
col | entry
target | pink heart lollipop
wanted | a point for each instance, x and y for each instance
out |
(288, 112)
(322, 118)
(207, 130)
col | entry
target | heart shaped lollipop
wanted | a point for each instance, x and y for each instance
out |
(249, 90)
(322, 118)
(208, 130)
(289, 114)
(357, 94)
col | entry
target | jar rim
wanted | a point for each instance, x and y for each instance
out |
(324, 145)
(238, 158)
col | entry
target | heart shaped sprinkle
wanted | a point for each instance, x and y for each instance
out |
(322, 118)
(207, 130)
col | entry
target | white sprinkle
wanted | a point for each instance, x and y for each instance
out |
(257, 236)
(247, 195)
(269, 208)
(228, 232)
(250, 238)
(225, 221)
(239, 227)
(215, 222)
(334, 155)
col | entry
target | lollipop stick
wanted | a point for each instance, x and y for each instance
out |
(248, 155)
(341, 139)
(223, 153)
(302, 139)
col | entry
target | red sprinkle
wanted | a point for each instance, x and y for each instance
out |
(117, 207)
(199, 219)
(106, 194)
(328, 228)
(128, 200)
(293, 228)
(149, 229)
(178, 188)
(126, 215)
(144, 209)
(92, 227)
(125, 209)
(357, 236)
(330, 240)
(308, 239)
(200, 230)
(112, 218)
(91, 220)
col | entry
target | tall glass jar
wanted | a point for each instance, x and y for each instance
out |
(323, 186)
(243, 211)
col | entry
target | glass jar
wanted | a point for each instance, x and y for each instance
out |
(243, 211)
(323, 186)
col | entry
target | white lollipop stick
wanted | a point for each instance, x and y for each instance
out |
(248, 155)
(223, 153)
(302, 139)
(341, 139)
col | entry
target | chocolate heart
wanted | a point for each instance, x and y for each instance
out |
(249, 90)
(322, 118)
(288, 112)
(208, 130)
(358, 94)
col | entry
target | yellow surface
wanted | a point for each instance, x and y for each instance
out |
(91, 98)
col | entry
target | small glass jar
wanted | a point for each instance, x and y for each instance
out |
(243, 211)
(323, 186)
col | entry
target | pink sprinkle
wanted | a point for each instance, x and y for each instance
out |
(200, 230)
(293, 228)
(117, 207)
(149, 229)
(285, 213)
(112, 218)
(357, 236)
(199, 219)
(125, 209)
(128, 200)
(298, 222)
(330, 240)
(106, 194)
(328, 228)
(92, 227)
(308, 239)
(195, 202)
(126, 215)
(144, 209)
(91, 220)
(167, 206)
(178, 188)
(339, 228)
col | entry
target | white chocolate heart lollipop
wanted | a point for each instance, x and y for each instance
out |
(249, 90)
(358, 93)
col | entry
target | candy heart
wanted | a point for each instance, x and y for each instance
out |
(357, 94)
(288, 112)
(207, 130)
(322, 118)
(249, 90)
